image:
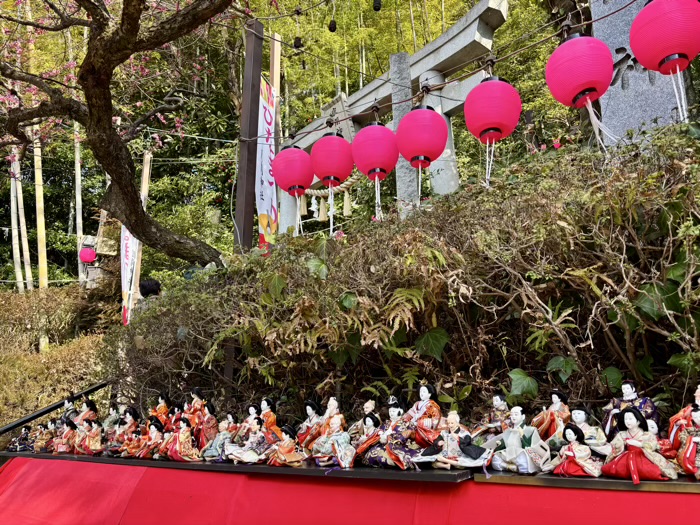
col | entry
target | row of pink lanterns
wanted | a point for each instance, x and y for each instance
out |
(665, 37)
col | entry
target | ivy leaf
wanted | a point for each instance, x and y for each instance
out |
(612, 377)
(318, 268)
(564, 366)
(444, 398)
(276, 284)
(432, 343)
(653, 298)
(348, 300)
(522, 383)
(643, 366)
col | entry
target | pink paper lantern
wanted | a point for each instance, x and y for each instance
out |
(492, 110)
(87, 256)
(331, 158)
(292, 171)
(579, 70)
(375, 151)
(422, 136)
(665, 35)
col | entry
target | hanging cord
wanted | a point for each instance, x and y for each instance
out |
(298, 228)
(331, 207)
(490, 151)
(420, 182)
(378, 200)
(679, 91)
(599, 127)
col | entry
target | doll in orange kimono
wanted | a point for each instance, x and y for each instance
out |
(370, 437)
(635, 452)
(310, 429)
(162, 409)
(80, 439)
(65, 442)
(209, 426)
(425, 417)
(173, 422)
(551, 420)
(243, 430)
(182, 447)
(270, 429)
(153, 441)
(134, 443)
(88, 411)
(194, 411)
(285, 453)
(688, 457)
(92, 444)
(678, 422)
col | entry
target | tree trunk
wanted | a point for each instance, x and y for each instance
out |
(442, 15)
(16, 257)
(413, 26)
(426, 23)
(22, 222)
(234, 49)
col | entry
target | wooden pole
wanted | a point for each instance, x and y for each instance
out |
(245, 191)
(16, 258)
(145, 184)
(40, 222)
(22, 221)
(78, 172)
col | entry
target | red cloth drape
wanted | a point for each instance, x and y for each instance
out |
(43, 492)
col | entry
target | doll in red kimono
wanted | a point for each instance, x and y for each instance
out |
(209, 426)
(270, 429)
(682, 419)
(688, 457)
(425, 417)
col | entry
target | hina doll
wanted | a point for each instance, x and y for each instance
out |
(270, 429)
(665, 447)
(243, 431)
(425, 417)
(65, 443)
(629, 399)
(231, 425)
(454, 448)
(681, 420)
(109, 425)
(162, 409)
(520, 448)
(688, 457)
(635, 452)
(332, 410)
(333, 446)
(397, 446)
(94, 442)
(81, 437)
(254, 448)
(497, 419)
(594, 437)
(182, 447)
(552, 420)
(23, 442)
(43, 436)
(369, 437)
(131, 417)
(357, 428)
(209, 426)
(194, 411)
(69, 411)
(118, 438)
(173, 422)
(214, 449)
(134, 443)
(88, 411)
(285, 453)
(44, 443)
(310, 429)
(574, 458)
(154, 439)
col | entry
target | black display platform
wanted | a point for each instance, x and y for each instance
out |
(428, 474)
(684, 484)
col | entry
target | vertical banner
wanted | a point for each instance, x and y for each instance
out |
(129, 253)
(265, 189)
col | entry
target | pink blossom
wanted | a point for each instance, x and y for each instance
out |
(339, 235)
(556, 144)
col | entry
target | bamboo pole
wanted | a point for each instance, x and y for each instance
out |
(78, 175)
(145, 184)
(16, 258)
(22, 221)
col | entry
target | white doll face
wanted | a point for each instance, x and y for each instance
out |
(285, 436)
(452, 422)
(369, 424)
(631, 422)
(627, 390)
(368, 407)
(263, 405)
(182, 424)
(252, 411)
(310, 411)
(697, 393)
(424, 393)
(86, 425)
(128, 417)
(112, 411)
(222, 426)
(569, 435)
(653, 427)
(229, 418)
(51, 425)
(153, 430)
(516, 416)
(83, 407)
(332, 404)
(254, 426)
(579, 416)
(696, 417)
(555, 399)
(498, 402)
(161, 400)
(206, 410)
(394, 413)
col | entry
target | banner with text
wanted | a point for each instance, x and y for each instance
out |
(265, 188)
(129, 254)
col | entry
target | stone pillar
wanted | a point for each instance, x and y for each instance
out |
(406, 176)
(287, 206)
(637, 98)
(443, 171)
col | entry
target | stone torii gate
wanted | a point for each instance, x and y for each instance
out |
(470, 37)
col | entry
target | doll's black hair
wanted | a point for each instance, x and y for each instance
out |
(91, 405)
(638, 416)
(211, 408)
(374, 419)
(259, 421)
(196, 391)
(270, 403)
(165, 397)
(576, 430)
(256, 407)
(314, 406)
(431, 390)
(561, 395)
(289, 430)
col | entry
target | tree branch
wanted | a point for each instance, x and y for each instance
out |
(65, 23)
(97, 10)
(131, 16)
(175, 104)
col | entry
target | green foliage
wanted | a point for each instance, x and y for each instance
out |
(563, 366)
(432, 343)
(612, 378)
(522, 384)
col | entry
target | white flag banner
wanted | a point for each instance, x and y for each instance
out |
(129, 252)
(265, 188)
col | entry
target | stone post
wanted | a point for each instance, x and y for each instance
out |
(443, 171)
(406, 176)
